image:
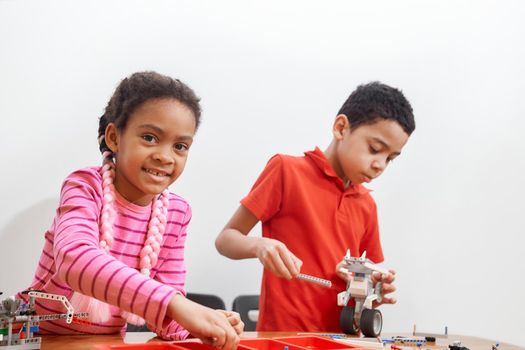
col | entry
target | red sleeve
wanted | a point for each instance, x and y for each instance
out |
(371, 242)
(264, 199)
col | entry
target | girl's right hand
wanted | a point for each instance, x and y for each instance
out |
(235, 320)
(276, 257)
(212, 327)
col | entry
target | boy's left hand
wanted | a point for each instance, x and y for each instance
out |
(342, 275)
(388, 286)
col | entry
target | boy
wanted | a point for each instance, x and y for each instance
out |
(313, 208)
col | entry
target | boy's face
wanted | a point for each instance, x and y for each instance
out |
(362, 154)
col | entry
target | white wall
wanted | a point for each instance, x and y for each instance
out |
(272, 75)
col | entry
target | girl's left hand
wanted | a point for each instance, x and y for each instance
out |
(388, 286)
(235, 320)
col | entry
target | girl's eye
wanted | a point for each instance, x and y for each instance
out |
(149, 138)
(180, 147)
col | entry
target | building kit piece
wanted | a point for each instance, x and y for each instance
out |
(361, 342)
(456, 345)
(434, 335)
(406, 341)
(310, 342)
(360, 288)
(313, 279)
(16, 311)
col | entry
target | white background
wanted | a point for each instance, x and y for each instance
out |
(272, 75)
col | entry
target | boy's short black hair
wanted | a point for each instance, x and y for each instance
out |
(376, 101)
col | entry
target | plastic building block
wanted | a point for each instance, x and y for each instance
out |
(406, 341)
(313, 279)
(361, 342)
(431, 335)
(457, 346)
(360, 288)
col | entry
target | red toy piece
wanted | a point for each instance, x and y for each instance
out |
(280, 343)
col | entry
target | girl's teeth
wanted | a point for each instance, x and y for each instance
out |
(154, 173)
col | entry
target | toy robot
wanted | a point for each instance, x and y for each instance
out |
(361, 289)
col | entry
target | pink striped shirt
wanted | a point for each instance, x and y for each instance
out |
(72, 260)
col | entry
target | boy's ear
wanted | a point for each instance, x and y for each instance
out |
(341, 126)
(111, 137)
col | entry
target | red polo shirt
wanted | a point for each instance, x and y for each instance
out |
(303, 203)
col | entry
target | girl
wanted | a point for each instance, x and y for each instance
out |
(115, 247)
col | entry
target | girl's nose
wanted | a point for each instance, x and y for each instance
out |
(162, 157)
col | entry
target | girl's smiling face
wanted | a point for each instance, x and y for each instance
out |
(151, 150)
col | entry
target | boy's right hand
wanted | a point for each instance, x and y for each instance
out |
(276, 257)
(212, 327)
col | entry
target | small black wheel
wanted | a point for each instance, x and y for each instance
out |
(371, 322)
(347, 321)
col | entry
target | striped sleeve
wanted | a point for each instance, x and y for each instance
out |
(172, 270)
(87, 268)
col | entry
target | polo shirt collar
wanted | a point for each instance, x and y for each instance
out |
(319, 159)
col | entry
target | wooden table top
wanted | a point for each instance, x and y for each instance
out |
(89, 342)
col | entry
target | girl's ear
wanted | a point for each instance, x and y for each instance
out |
(111, 137)
(340, 127)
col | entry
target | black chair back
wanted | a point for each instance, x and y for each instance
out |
(243, 304)
(209, 300)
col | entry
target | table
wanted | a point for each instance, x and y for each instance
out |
(87, 342)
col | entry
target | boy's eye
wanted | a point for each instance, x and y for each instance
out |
(390, 159)
(373, 150)
(181, 147)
